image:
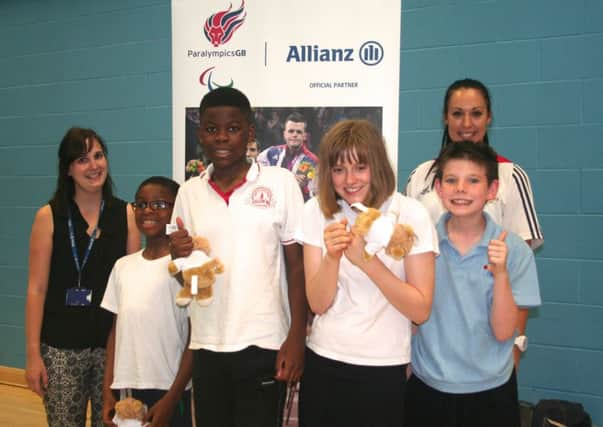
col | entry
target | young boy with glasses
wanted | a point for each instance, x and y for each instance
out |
(147, 349)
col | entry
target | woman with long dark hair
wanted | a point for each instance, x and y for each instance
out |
(75, 240)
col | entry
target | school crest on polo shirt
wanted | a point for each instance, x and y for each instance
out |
(262, 197)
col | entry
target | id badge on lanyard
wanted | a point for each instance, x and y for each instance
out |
(78, 295)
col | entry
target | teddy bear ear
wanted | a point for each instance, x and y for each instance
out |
(202, 244)
(401, 242)
(364, 221)
(172, 268)
(362, 224)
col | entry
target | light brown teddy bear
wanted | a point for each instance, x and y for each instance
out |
(198, 274)
(129, 412)
(382, 231)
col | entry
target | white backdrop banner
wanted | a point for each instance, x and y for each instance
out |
(326, 60)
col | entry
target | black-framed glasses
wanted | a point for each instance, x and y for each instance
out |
(153, 204)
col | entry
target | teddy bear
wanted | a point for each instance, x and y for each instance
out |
(382, 231)
(129, 412)
(198, 274)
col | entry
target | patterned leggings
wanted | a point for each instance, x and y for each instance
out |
(74, 377)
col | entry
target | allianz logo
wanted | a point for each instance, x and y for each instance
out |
(370, 53)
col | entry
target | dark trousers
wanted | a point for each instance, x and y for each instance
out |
(182, 416)
(334, 393)
(428, 407)
(237, 389)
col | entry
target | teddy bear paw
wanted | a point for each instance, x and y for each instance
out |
(183, 301)
(205, 301)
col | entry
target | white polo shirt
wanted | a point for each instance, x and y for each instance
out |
(250, 305)
(513, 207)
(361, 327)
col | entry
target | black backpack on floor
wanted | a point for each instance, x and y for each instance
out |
(559, 413)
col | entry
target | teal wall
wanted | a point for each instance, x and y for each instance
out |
(106, 65)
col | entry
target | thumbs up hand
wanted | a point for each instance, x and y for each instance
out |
(497, 255)
(181, 243)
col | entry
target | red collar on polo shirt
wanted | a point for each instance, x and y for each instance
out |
(226, 195)
(251, 175)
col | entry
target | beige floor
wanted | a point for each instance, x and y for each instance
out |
(20, 407)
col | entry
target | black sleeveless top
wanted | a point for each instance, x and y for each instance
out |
(82, 327)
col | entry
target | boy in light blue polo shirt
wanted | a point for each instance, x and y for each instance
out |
(462, 357)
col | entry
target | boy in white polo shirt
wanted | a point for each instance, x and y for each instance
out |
(249, 342)
(462, 360)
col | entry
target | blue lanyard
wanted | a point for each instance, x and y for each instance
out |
(76, 258)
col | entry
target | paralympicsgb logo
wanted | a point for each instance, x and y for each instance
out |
(220, 26)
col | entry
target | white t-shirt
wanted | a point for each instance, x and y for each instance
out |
(361, 327)
(151, 330)
(250, 305)
(513, 207)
